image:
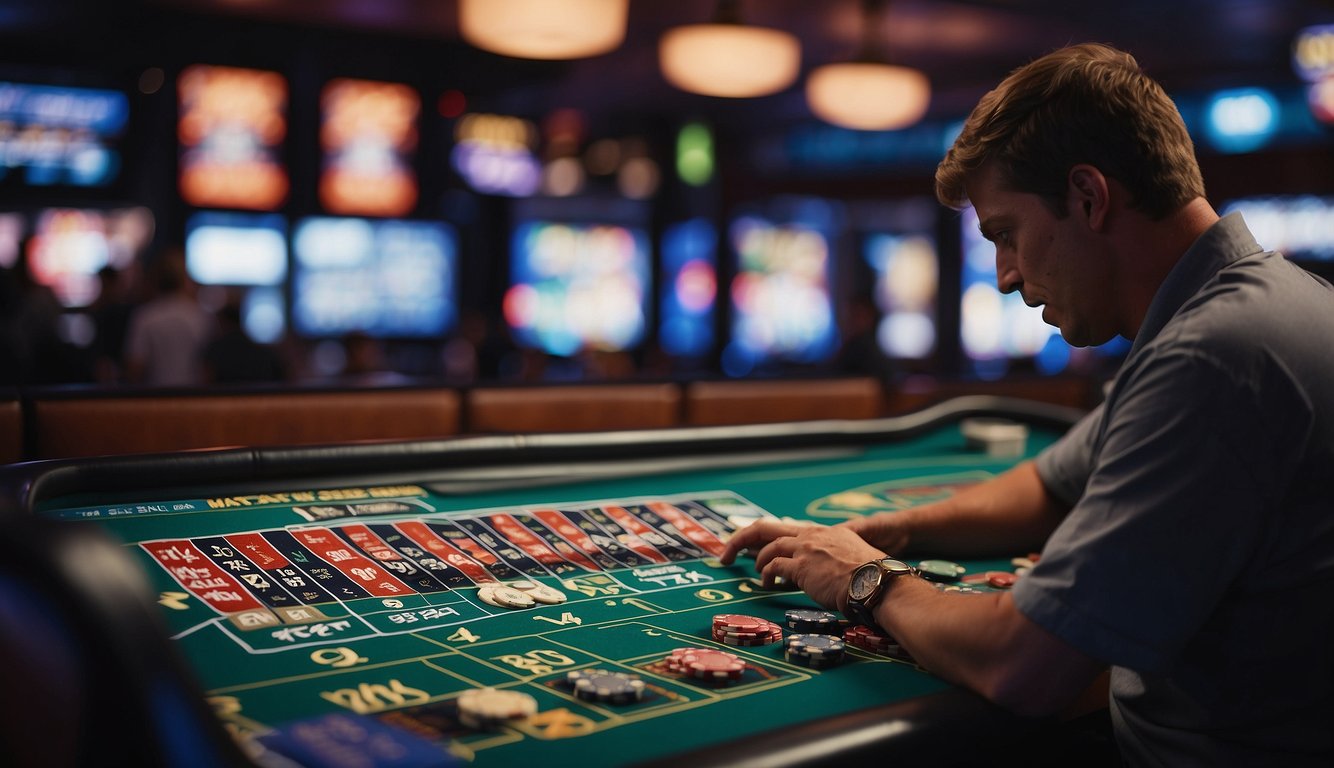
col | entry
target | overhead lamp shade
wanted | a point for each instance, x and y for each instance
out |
(731, 60)
(544, 29)
(868, 96)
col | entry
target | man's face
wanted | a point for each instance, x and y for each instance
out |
(1054, 263)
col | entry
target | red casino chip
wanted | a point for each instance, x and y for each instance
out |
(713, 666)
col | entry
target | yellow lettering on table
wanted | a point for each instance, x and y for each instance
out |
(565, 618)
(342, 494)
(368, 698)
(337, 657)
(713, 595)
(557, 724)
(174, 600)
(543, 661)
(390, 491)
(464, 635)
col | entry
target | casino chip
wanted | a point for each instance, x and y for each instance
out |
(502, 596)
(813, 621)
(488, 708)
(540, 592)
(941, 570)
(606, 686)
(869, 639)
(739, 629)
(814, 650)
(717, 667)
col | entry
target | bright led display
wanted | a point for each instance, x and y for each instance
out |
(576, 286)
(386, 278)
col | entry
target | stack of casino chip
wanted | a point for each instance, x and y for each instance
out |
(942, 571)
(813, 650)
(738, 629)
(813, 622)
(873, 640)
(707, 664)
(488, 708)
(606, 686)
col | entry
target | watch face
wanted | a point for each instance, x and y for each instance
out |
(865, 581)
(896, 567)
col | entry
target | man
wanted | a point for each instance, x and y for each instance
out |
(1187, 524)
(165, 338)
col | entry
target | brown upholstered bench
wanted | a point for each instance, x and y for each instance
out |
(68, 424)
(572, 408)
(748, 402)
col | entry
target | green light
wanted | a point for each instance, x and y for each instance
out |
(694, 154)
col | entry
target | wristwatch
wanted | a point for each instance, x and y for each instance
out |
(868, 585)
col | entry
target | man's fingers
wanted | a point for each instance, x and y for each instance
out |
(757, 535)
(783, 546)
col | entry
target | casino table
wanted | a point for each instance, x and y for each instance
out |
(301, 585)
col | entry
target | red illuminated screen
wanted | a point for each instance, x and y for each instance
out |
(233, 122)
(369, 136)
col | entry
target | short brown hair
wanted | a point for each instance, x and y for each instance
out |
(1087, 103)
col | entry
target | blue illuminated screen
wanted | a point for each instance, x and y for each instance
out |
(1301, 227)
(236, 248)
(688, 289)
(576, 286)
(61, 135)
(907, 276)
(782, 309)
(385, 278)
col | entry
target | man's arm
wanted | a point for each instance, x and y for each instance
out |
(1010, 514)
(984, 643)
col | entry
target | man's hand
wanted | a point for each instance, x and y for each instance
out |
(885, 530)
(815, 558)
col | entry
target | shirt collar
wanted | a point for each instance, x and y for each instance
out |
(1227, 241)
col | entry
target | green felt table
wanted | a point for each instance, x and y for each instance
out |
(404, 655)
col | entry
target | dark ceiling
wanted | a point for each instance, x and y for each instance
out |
(964, 46)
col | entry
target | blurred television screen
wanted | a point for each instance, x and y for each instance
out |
(383, 277)
(688, 289)
(236, 248)
(782, 289)
(1299, 226)
(368, 134)
(577, 285)
(70, 245)
(231, 130)
(60, 135)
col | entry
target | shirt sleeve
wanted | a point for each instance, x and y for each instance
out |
(1065, 465)
(1187, 470)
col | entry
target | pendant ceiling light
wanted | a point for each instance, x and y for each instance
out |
(729, 58)
(544, 29)
(868, 93)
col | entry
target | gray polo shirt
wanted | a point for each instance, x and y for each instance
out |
(1198, 557)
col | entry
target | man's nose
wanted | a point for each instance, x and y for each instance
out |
(1008, 279)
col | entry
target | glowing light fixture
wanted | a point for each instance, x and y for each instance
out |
(868, 93)
(729, 58)
(544, 29)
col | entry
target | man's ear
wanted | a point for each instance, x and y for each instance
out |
(1088, 194)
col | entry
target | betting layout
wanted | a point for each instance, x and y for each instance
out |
(349, 571)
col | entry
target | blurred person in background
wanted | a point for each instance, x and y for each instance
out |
(232, 357)
(165, 339)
